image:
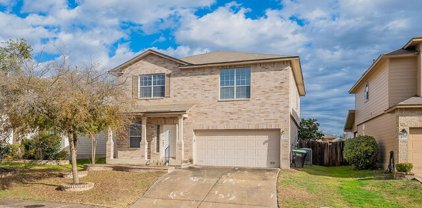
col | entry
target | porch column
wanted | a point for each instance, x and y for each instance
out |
(144, 142)
(110, 145)
(180, 151)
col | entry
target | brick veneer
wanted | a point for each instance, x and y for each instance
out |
(268, 107)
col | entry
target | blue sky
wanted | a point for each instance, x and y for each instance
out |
(336, 39)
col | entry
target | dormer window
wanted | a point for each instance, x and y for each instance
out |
(366, 92)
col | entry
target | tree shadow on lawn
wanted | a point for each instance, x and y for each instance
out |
(345, 172)
(27, 176)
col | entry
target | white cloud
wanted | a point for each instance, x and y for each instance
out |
(87, 32)
(229, 29)
(182, 51)
(337, 41)
(44, 6)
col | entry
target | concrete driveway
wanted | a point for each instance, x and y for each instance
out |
(213, 187)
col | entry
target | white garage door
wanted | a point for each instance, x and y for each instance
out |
(241, 148)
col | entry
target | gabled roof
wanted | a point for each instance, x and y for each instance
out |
(403, 52)
(142, 55)
(227, 56)
(350, 121)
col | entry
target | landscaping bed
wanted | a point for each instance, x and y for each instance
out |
(317, 186)
(41, 183)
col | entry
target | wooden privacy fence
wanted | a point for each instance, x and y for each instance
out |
(325, 153)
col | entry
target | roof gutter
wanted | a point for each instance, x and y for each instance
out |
(414, 106)
(252, 61)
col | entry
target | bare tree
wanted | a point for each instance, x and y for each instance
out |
(56, 96)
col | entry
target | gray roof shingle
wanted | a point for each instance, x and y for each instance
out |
(226, 56)
(412, 101)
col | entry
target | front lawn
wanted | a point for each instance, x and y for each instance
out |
(40, 182)
(317, 186)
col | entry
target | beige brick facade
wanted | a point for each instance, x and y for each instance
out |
(408, 119)
(268, 107)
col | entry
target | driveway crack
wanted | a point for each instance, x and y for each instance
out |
(212, 187)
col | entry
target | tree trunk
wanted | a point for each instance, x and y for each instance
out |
(93, 148)
(73, 153)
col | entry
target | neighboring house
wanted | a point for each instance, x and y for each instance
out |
(329, 138)
(389, 105)
(213, 109)
(84, 144)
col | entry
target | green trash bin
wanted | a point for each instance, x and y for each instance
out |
(299, 156)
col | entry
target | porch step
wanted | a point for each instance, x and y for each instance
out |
(126, 161)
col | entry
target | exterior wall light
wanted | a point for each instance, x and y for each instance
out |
(403, 134)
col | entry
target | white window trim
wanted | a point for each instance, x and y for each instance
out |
(366, 92)
(235, 85)
(152, 86)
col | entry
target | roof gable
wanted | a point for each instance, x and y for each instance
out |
(400, 53)
(142, 55)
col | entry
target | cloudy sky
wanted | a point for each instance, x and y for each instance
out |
(336, 39)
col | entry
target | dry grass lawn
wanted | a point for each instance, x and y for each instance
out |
(112, 188)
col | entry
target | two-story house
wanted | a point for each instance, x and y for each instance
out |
(213, 109)
(388, 105)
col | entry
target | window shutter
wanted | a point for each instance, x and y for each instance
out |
(167, 85)
(135, 87)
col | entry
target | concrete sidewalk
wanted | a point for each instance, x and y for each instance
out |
(213, 187)
(40, 204)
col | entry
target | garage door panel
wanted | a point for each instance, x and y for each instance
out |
(243, 148)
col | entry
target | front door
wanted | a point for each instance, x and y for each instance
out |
(168, 136)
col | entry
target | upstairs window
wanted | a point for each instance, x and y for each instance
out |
(235, 83)
(152, 85)
(135, 134)
(366, 92)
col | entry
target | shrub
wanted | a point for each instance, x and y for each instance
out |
(42, 147)
(3, 150)
(62, 155)
(12, 152)
(404, 167)
(46, 146)
(28, 146)
(361, 152)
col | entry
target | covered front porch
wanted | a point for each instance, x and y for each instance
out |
(155, 137)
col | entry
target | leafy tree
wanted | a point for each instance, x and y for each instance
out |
(309, 130)
(14, 56)
(102, 113)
